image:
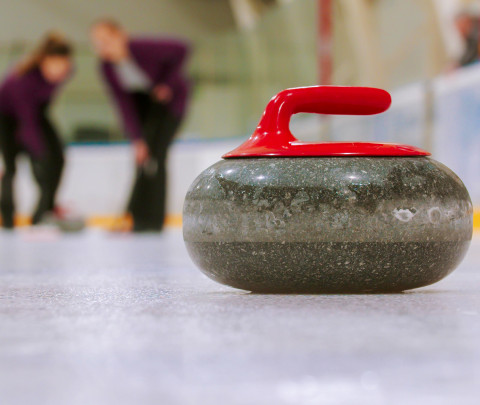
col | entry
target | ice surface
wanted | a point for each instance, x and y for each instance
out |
(101, 319)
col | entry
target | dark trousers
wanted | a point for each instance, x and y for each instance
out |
(148, 199)
(47, 170)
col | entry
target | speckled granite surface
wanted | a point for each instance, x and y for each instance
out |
(327, 224)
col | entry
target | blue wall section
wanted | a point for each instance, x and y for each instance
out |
(452, 133)
(457, 126)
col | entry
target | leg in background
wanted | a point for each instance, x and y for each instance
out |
(147, 202)
(10, 150)
(48, 170)
(136, 204)
(161, 136)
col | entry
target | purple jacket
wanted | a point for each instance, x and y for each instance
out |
(162, 61)
(22, 97)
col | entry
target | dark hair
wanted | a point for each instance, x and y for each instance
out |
(108, 22)
(54, 44)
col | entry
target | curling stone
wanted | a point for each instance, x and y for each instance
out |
(281, 216)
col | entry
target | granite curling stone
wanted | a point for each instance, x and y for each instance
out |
(281, 216)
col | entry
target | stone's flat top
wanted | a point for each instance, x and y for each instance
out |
(98, 319)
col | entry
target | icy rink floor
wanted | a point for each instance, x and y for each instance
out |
(101, 319)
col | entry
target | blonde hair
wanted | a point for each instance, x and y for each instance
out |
(109, 23)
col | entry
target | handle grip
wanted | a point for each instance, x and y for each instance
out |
(321, 100)
(273, 132)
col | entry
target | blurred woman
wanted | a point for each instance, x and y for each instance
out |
(25, 126)
(145, 78)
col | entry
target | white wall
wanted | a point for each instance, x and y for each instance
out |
(98, 179)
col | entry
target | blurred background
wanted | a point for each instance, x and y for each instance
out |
(424, 51)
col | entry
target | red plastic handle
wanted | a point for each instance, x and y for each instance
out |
(321, 100)
(273, 137)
